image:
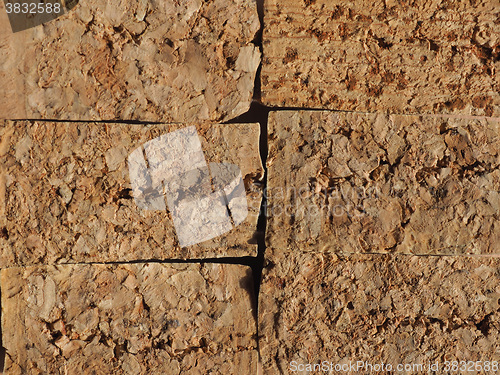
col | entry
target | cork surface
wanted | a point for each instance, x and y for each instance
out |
(128, 319)
(348, 182)
(378, 308)
(397, 56)
(169, 61)
(379, 240)
(66, 193)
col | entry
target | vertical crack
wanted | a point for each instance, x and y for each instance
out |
(259, 113)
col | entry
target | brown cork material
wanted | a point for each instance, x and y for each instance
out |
(168, 61)
(374, 309)
(66, 194)
(351, 182)
(128, 319)
(397, 56)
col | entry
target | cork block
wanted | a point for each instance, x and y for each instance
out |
(354, 182)
(383, 55)
(168, 61)
(135, 319)
(349, 312)
(87, 192)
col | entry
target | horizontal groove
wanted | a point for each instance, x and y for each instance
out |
(406, 114)
(125, 122)
(244, 261)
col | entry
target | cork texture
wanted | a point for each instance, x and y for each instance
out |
(128, 319)
(137, 217)
(351, 182)
(396, 56)
(378, 308)
(66, 194)
(168, 61)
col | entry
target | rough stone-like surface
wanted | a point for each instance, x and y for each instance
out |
(396, 309)
(347, 182)
(400, 56)
(169, 61)
(129, 319)
(65, 194)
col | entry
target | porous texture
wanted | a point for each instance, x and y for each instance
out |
(169, 61)
(349, 182)
(399, 56)
(66, 197)
(128, 319)
(395, 309)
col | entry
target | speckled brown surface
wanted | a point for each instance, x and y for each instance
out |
(149, 60)
(65, 194)
(398, 56)
(392, 309)
(407, 165)
(349, 182)
(129, 319)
